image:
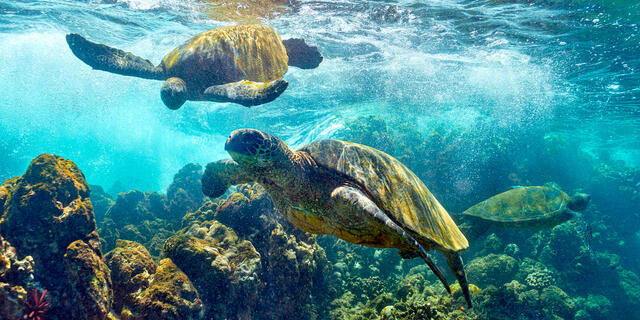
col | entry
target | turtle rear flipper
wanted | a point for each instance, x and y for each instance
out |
(102, 57)
(354, 199)
(302, 55)
(455, 264)
(246, 93)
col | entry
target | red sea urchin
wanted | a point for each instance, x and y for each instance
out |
(36, 306)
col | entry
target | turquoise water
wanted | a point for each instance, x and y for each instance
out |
(498, 79)
(560, 66)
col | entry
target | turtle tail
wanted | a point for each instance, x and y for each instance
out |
(457, 267)
(102, 57)
(302, 55)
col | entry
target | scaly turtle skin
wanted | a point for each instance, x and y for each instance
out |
(354, 192)
(243, 64)
(533, 207)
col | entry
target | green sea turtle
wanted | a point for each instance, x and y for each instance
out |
(533, 207)
(357, 193)
(242, 64)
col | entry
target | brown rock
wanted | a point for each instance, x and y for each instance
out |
(90, 282)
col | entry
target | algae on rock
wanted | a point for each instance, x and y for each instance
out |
(47, 214)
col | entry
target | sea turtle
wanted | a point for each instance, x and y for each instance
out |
(532, 207)
(357, 193)
(243, 64)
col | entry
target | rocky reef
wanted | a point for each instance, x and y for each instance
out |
(144, 290)
(150, 218)
(277, 271)
(47, 217)
(183, 256)
(16, 277)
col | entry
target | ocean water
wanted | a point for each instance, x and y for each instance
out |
(474, 96)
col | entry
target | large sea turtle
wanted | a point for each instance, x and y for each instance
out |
(357, 193)
(533, 207)
(242, 64)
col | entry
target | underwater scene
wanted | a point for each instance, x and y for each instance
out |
(320, 159)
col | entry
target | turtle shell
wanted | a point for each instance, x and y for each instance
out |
(524, 207)
(393, 187)
(228, 54)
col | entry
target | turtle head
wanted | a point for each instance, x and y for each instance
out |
(259, 153)
(174, 93)
(579, 201)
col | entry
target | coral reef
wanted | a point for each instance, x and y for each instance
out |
(170, 295)
(293, 278)
(299, 269)
(414, 298)
(493, 269)
(237, 258)
(514, 300)
(90, 278)
(137, 216)
(185, 192)
(101, 201)
(223, 268)
(150, 218)
(131, 269)
(15, 277)
(143, 290)
(47, 215)
(136, 206)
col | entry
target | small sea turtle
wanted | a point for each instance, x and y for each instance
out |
(533, 207)
(243, 64)
(357, 193)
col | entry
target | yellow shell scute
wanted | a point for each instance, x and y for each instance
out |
(229, 54)
(522, 205)
(394, 188)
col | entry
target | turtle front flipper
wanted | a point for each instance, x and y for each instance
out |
(220, 175)
(352, 198)
(246, 93)
(457, 267)
(102, 57)
(302, 55)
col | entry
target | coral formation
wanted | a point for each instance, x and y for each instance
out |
(223, 268)
(131, 269)
(170, 295)
(236, 257)
(414, 298)
(150, 217)
(47, 215)
(143, 290)
(101, 201)
(185, 193)
(292, 272)
(15, 277)
(89, 278)
(493, 269)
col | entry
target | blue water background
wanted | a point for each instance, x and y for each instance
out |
(566, 66)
